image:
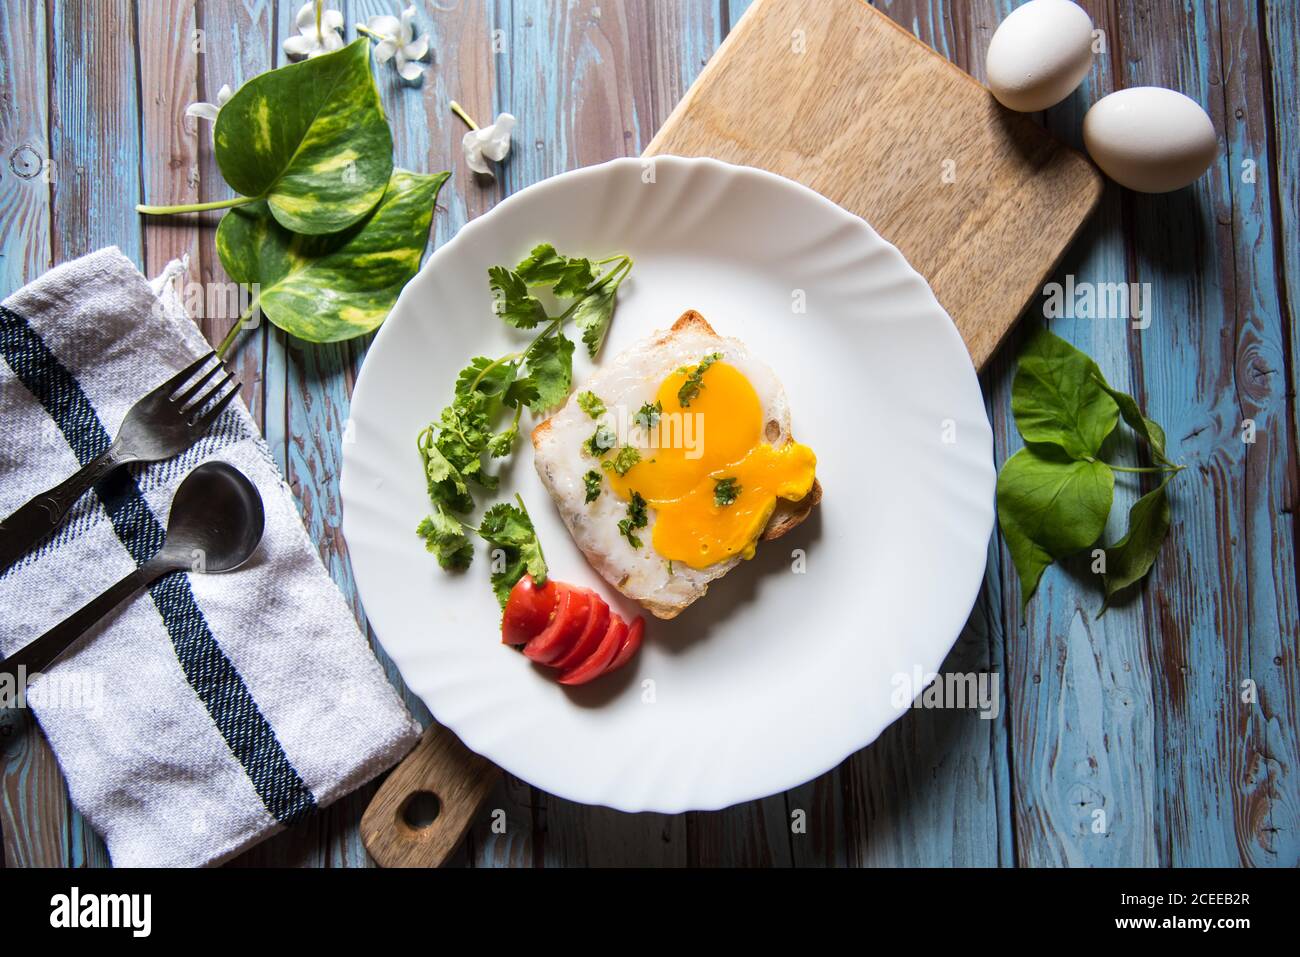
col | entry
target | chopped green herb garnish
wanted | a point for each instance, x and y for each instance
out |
(725, 492)
(636, 518)
(601, 441)
(648, 415)
(626, 458)
(590, 403)
(693, 384)
(592, 481)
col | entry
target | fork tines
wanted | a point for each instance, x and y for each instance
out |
(201, 411)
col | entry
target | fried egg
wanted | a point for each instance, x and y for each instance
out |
(682, 444)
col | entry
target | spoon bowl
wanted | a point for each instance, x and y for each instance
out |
(215, 525)
(216, 520)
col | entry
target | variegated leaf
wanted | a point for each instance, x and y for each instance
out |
(311, 139)
(333, 287)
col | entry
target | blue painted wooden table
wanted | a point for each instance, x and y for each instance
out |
(1165, 733)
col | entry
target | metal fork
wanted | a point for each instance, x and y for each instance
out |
(163, 424)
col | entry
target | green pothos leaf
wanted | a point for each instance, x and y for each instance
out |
(328, 288)
(310, 139)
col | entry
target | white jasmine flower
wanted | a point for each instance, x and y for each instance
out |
(209, 111)
(318, 31)
(486, 143)
(397, 42)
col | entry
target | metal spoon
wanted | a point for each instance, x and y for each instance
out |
(215, 524)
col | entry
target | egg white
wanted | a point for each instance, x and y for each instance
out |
(624, 384)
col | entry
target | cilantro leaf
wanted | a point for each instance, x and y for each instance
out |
(550, 365)
(491, 377)
(510, 533)
(569, 278)
(601, 441)
(594, 314)
(446, 485)
(694, 380)
(626, 458)
(592, 481)
(647, 417)
(503, 443)
(636, 518)
(590, 403)
(725, 492)
(512, 300)
(445, 538)
(523, 391)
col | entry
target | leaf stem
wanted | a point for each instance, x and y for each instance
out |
(502, 361)
(1159, 468)
(455, 108)
(235, 330)
(195, 207)
(624, 267)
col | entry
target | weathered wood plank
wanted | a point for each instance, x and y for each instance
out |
(1280, 54)
(235, 44)
(1223, 594)
(1269, 829)
(1082, 718)
(95, 143)
(33, 803)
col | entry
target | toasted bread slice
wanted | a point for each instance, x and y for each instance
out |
(628, 380)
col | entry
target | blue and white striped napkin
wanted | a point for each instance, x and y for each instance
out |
(212, 710)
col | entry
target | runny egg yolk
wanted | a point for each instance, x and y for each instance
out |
(718, 435)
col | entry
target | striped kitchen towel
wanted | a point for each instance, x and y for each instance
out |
(210, 711)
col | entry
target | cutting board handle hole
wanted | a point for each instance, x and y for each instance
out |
(419, 810)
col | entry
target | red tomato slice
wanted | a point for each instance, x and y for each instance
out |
(631, 644)
(565, 628)
(598, 660)
(591, 636)
(529, 609)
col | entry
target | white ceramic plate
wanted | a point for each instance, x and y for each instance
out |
(776, 675)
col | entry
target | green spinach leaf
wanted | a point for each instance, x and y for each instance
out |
(1139, 423)
(1057, 397)
(1050, 506)
(1129, 559)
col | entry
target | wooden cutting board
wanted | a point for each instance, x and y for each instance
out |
(833, 94)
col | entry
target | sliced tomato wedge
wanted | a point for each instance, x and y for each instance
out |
(631, 645)
(557, 638)
(529, 609)
(589, 640)
(596, 663)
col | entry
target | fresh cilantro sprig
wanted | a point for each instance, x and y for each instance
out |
(491, 394)
(506, 528)
(1055, 495)
(725, 492)
(690, 389)
(592, 481)
(591, 404)
(647, 417)
(623, 460)
(636, 518)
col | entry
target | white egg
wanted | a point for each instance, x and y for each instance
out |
(1039, 54)
(1150, 139)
